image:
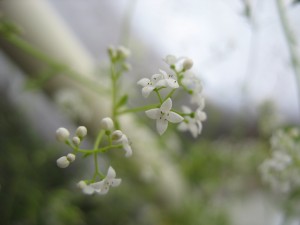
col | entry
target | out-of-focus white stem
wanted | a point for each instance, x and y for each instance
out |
(43, 27)
(46, 30)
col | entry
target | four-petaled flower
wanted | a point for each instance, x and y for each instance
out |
(101, 187)
(150, 85)
(168, 80)
(163, 115)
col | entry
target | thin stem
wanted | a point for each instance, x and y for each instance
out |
(159, 97)
(291, 42)
(170, 94)
(114, 95)
(104, 149)
(98, 140)
(138, 109)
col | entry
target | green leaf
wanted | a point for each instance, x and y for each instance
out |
(122, 101)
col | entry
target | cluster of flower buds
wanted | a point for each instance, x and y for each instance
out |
(62, 135)
(120, 54)
(115, 139)
(281, 170)
(180, 77)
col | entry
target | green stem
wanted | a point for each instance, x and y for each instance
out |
(114, 95)
(138, 109)
(170, 94)
(159, 97)
(291, 42)
(104, 149)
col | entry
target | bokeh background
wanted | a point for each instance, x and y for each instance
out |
(247, 60)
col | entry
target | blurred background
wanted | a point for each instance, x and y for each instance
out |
(244, 51)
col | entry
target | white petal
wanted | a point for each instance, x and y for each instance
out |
(128, 150)
(170, 59)
(153, 113)
(186, 109)
(88, 190)
(156, 77)
(147, 90)
(161, 83)
(161, 126)
(174, 117)
(164, 73)
(199, 127)
(172, 83)
(98, 185)
(194, 130)
(143, 82)
(167, 105)
(183, 126)
(104, 190)
(111, 173)
(115, 182)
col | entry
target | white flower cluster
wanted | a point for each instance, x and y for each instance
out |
(181, 77)
(116, 139)
(282, 170)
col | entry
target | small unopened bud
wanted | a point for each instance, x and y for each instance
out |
(107, 124)
(63, 162)
(81, 131)
(123, 52)
(71, 157)
(76, 141)
(111, 51)
(187, 64)
(62, 134)
(117, 135)
(126, 66)
(81, 184)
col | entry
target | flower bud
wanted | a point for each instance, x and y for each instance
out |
(62, 134)
(81, 131)
(117, 135)
(71, 157)
(187, 64)
(123, 52)
(107, 124)
(81, 184)
(63, 162)
(76, 141)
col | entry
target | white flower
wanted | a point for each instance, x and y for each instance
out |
(192, 123)
(170, 60)
(107, 124)
(164, 114)
(168, 80)
(150, 85)
(101, 187)
(81, 131)
(118, 137)
(63, 162)
(62, 134)
(180, 63)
